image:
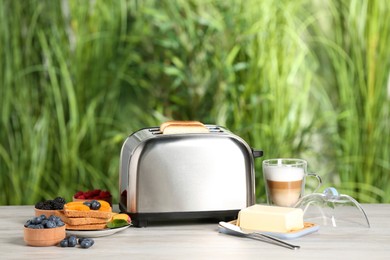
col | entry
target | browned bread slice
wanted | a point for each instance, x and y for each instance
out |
(177, 122)
(77, 209)
(177, 127)
(87, 214)
(83, 221)
(86, 227)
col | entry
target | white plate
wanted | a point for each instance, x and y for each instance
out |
(307, 229)
(96, 233)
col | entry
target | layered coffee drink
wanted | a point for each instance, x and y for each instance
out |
(284, 185)
(284, 193)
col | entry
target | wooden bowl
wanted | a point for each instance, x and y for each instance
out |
(47, 213)
(44, 237)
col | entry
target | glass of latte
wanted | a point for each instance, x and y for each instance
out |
(285, 180)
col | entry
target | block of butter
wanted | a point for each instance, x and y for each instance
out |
(270, 218)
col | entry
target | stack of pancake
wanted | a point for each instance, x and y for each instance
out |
(78, 216)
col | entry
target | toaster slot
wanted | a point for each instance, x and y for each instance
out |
(214, 129)
(155, 131)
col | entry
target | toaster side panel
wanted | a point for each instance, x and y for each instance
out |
(129, 146)
(191, 173)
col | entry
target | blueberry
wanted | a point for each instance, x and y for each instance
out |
(38, 220)
(31, 226)
(95, 205)
(44, 222)
(59, 223)
(50, 224)
(28, 223)
(72, 241)
(35, 220)
(81, 239)
(86, 243)
(87, 203)
(52, 218)
(39, 226)
(64, 243)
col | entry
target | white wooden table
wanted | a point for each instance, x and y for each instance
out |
(203, 241)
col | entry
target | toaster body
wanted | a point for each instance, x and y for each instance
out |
(181, 176)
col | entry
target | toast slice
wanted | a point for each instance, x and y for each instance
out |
(77, 209)
(177, 122)
(87, 227)
(83, 221)
(179, 127)
(88, 214)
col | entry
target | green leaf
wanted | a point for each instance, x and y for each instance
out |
(116, 223)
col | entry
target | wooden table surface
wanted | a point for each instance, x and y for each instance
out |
(195, 240)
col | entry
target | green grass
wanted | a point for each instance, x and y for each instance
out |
(294, 78)
(358, 62)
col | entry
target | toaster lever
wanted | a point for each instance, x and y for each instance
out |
(257, 153)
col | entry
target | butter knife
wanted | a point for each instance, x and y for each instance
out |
(236, 230)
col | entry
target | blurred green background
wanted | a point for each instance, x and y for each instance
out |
(303, 78)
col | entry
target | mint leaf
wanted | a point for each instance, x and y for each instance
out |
(116, 223)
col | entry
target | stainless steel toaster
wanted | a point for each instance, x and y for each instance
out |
(185, 176)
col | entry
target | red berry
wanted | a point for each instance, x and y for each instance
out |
(79, 193)
(104, 194)
(88, 194)
(81, 197)
(95, 192)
